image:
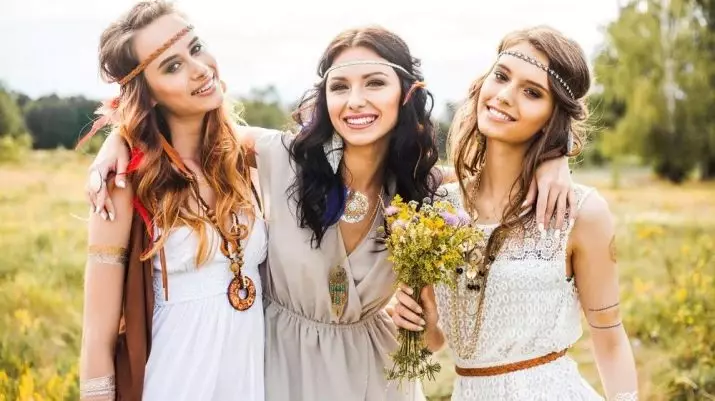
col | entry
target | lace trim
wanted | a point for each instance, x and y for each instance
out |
(632, 396)
(98, 388)
(528, 288)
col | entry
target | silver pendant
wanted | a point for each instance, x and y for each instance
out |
(356, 207)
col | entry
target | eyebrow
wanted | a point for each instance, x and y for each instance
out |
(368, 75)
(175, 56)
(502, 66)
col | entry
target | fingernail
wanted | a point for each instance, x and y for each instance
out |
(121, 184)
(420, 328)
(422, 322)
(557, 234)
(526, 203)
(408, 290)
(419, 310)
(111, 216)
(571, 222)
(96, 209)
(104, 215)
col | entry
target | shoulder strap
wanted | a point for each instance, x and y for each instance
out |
(258, 198)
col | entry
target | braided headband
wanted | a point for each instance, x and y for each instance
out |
(415, 85)
(139, 68)
(109, 107)
(537, 63)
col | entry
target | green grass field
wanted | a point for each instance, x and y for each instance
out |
(664, 231)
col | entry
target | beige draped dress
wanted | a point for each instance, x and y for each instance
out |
(310, 356)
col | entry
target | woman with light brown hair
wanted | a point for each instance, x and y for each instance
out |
(176, 271)
(516, 308)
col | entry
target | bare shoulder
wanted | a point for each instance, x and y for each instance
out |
(123, 200)
(116, 231)
(250, 130)
(252, 133)
(594, 218)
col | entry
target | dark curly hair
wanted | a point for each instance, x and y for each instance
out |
(412, 152)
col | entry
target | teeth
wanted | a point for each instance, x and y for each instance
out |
(205, 88)
(361, 120)
(498, 114)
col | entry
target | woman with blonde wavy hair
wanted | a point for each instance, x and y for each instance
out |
(188, 224)
(516, 308)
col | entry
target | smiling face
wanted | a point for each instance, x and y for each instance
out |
(363, 100)
(184, 79)
(515, 102)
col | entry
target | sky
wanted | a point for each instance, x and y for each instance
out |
(50, 46)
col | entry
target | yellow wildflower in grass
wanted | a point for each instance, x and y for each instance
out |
(23, 319)
(26, 388)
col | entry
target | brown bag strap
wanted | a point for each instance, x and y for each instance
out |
(164, 274)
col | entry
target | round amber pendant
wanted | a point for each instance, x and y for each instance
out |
(241, 297)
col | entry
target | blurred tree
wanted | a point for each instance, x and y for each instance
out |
(707, 49)
(11, 121)
(262, 108)
(14, 140)
(55, 121)
(443, 126)
(651, 69)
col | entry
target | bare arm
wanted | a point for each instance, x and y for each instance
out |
(104, 278)
(594, 264)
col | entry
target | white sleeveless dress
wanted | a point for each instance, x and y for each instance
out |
(531, 309)
(202, 348)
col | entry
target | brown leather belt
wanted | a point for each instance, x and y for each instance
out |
(511, 367)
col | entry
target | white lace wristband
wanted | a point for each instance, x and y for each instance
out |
(98, 388)
(632, 396)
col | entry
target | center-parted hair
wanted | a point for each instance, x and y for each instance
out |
(412, 152)
(158, 185)
(567, 122)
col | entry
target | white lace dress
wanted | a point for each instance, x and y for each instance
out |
(531, 309)
(202, 348)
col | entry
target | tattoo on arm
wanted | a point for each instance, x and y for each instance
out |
(612, 249)
(108, 255)
(604, 318)
(604, 309)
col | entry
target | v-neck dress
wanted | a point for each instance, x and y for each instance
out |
(311, 355)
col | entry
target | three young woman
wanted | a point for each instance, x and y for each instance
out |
(366, 136)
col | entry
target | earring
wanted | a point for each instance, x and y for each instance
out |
(569, 143)
(333, 150)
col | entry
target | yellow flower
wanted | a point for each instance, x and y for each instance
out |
(26, 388)
(24, 319)
(681, 295)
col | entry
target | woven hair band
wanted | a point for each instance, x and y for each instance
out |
(109, 107)
(139, 68)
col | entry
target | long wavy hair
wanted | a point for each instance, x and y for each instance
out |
(160, 187)
(468, 145)
(412, 152)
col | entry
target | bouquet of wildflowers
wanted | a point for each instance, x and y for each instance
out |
(427, 244)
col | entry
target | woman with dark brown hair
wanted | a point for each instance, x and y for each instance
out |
(516, 308)
(187, 230)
